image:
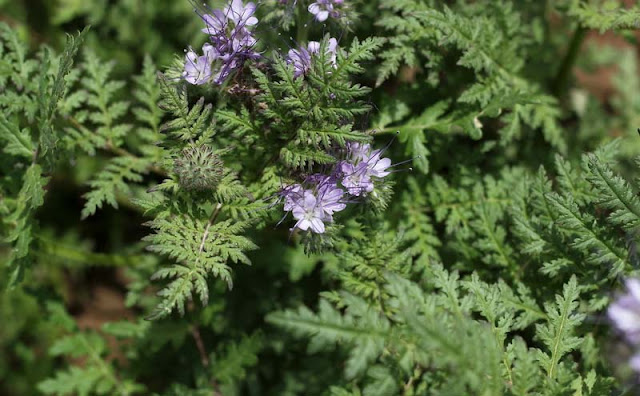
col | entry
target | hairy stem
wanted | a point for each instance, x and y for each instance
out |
(562, 78)
(212, 220)
(195, 332)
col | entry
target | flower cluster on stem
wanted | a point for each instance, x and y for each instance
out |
(231, 44)
(314, 202)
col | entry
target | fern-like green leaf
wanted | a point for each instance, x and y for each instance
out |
(558, 333)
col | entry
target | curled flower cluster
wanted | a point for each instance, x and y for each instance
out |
(301, 58)
(325, 195)
(625, 315)
(199, 168)
(232, 43)
(323, 9)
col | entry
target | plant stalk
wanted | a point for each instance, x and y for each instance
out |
(562, 78)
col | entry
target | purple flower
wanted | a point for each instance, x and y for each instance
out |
(315, 206)
(361, 166)
(292, 196)
(197, 69)
(216, 23)
(356, 178)
(625, 312)
(240, 14)
(358, 151)
(332, 49)
(301, 61)
(323, 9)
(315, 201)
(309, 214)
(330, 196)
(377, 166)
(301, 58)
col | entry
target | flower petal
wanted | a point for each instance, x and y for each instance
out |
(314, 47)
(633, 286)
(303, 224)
(634, 363)
(317, 226)
(322, 16)
(314, 8)
(309, 199)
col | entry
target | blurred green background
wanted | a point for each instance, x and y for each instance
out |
(123, 30)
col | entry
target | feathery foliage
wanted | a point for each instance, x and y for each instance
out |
(493, 229)
(605, 16)
(27, 131)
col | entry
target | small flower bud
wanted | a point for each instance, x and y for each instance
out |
(199, 168)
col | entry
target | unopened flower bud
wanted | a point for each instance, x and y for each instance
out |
(199, 168)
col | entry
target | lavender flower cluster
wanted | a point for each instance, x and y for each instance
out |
(314, 202)
(625, 315)
(232, 43)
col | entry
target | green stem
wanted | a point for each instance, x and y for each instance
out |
(562, 78)
(212, 219)
(302, 28)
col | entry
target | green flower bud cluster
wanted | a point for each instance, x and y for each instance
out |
(199, 168)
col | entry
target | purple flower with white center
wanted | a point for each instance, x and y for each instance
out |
(323, 9)
(362, 165)
(197, 69)
(625, 312)
(315, 206)
(301, 58)
(315, 201)
(309, 214)
(377, 166)
(356, 178)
